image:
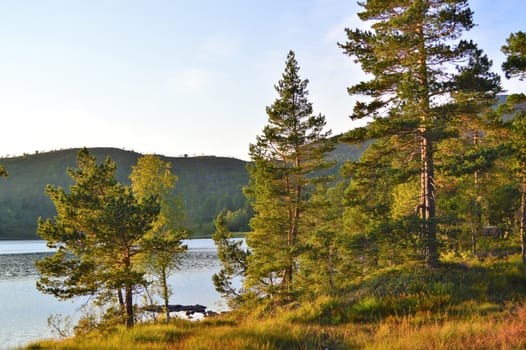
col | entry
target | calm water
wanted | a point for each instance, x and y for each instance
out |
(24, 310)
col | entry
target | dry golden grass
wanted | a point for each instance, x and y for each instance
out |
(402, 308)
(506, 330)
(503, 331)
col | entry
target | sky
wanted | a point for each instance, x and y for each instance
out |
(177, 77)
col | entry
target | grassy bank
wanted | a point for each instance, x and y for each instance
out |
(457, 306)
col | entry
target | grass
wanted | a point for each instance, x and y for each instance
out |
(457, 306)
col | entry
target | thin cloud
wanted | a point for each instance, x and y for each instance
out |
(220, 46)
(194, 81)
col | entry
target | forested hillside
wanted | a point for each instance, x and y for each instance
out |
(206, 185)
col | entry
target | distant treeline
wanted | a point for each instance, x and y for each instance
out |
(207, 185)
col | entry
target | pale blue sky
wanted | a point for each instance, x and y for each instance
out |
(180, 77)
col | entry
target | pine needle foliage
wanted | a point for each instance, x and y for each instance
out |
(233, 257)
(515, 51)
(415, 55)
(97, 232)
(285, 158)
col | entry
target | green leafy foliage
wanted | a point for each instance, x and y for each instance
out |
(162, 244)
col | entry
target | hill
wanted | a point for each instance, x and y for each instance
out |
(206, 184)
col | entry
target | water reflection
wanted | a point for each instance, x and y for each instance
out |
(19, 266)
(24, 310)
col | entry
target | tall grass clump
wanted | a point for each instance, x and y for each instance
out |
(469, 305)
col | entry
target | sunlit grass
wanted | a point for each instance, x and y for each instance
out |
(457, 306)
(502, 331)
(420, 331)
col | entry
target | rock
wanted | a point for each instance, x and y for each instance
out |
(189, 309)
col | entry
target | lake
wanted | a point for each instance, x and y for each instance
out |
(24, 310)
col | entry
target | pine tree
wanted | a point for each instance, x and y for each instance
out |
(515, 51)
(515, 66)
(162, 245)
(379, 218)
(97, 232)
(323, 265)
(514, 139)
(410, 50)
(233, 258)
(284, 159)
(467, 155)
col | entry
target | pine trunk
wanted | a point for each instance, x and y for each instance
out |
(121, 299)
(129, 307)
(523, 222)
(294, 190)
(165, 295)
(287, 276)
(128, 296)
(427, 176)
(427, 195)
(122, 307)
(477, 225)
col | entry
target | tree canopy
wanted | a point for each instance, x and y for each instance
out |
(515, 51)
(98, 233)
(285, 158)
(234, 260)
(412, 52)
(162, 244)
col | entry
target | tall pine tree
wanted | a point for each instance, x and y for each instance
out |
(410, 51)
(284, 160)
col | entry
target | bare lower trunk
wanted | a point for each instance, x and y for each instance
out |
(129, 307)
(294, 188)
(427, 195)
(291, 242)
(165, 295)
(427, 176)
(477, 226)
(121, 299)
(121, 303)
(523, 223)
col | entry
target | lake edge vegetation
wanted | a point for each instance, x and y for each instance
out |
(419, 244)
